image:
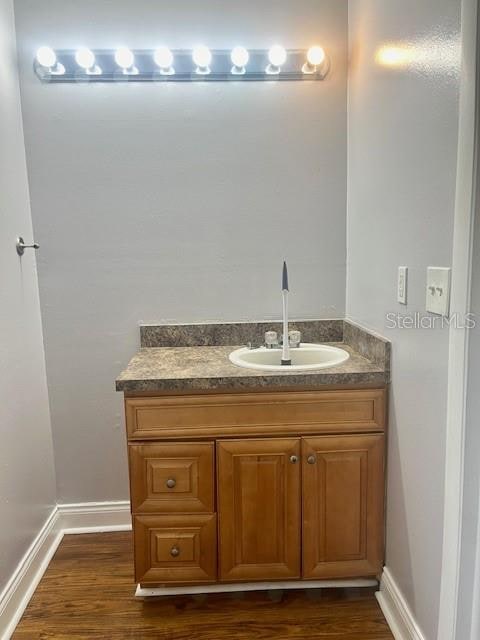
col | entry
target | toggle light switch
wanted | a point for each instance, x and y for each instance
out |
(438, 290)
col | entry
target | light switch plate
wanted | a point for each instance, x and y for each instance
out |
(402, 285)
(438, 290)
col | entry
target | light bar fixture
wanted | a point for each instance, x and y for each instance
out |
(199, 64)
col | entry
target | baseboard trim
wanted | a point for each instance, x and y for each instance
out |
(396, 610)
(145, 592)
(95, 517)
(89, 517)
(19, 589)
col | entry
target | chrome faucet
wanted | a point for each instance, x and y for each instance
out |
(289, 339)
(286, 360)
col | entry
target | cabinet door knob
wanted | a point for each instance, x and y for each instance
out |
(294, 459)
(174, 552)
(171, 482)
(311, 459)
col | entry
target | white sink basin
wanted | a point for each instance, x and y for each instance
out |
(305, 358)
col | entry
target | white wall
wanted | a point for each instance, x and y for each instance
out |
(174, 203)
(27, 484)
(401, 193)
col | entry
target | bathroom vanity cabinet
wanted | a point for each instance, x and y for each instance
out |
(265, 486)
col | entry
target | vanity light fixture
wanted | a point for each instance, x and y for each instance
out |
(315, 57)
(164, 59)
(240, 58)
(277, 56)
(85, 58)
(180, 65)
(47, 58)
(126, 61)
(202, 57)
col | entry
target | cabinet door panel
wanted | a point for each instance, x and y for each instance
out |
(343, 493)
(259, 509)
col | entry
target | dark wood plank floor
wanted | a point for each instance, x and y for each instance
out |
(87, 592)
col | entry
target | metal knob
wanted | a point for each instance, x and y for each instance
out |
(311, 459)
(175, 552)
(171, 482)
(21, 246)
(294, 459)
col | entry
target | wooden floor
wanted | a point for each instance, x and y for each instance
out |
(87, 592)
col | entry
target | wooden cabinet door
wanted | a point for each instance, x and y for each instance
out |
(343, 495)
(259, 509)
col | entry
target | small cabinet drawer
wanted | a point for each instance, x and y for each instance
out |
(175, 548)
(172, 477)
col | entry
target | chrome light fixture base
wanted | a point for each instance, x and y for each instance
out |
(184, 70)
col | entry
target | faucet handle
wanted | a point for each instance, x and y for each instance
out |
(271, 339)
(294, 338)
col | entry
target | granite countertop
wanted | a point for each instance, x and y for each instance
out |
(208, 368)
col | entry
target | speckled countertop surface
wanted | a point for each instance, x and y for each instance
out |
(208, 368)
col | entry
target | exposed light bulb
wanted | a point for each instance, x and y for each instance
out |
(85, 58)
(124, 58)
(163, 58)
(315, 56)
(46, 57)
(202, 57)
(277, 56)
(240, 58)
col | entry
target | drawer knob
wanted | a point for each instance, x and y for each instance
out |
(311, 459)
(175, 552)
(171, 482)
(294, 459)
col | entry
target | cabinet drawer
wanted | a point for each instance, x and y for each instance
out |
(172, 477)
(217, 415)
(175, 548)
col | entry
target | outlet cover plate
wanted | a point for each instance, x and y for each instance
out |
(438, 290)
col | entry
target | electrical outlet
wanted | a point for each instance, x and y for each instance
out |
(402, 285)
(438, 290)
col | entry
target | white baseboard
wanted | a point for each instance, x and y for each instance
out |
(95, 517)
(396, 610)
(90, 517)
(19, 589)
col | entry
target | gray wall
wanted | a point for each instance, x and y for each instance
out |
(27, 484)
(174, 203)
(402, 170)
